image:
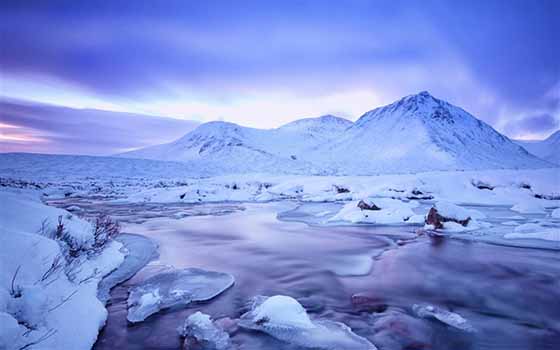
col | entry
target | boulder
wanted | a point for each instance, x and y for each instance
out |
(435, 219)
(367, 206)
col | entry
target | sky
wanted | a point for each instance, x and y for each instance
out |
(265, 63)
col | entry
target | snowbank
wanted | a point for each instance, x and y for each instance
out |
(53, 302)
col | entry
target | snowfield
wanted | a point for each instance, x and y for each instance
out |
(44, 300)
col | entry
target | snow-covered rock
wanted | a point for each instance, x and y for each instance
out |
(200, 332)
(172, 288)
(449, 318)
(391, 212)
(453, 218)
(282, 317)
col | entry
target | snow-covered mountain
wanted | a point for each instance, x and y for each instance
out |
(242, 149)
(416, 133)
(547, 149)
(420, 133)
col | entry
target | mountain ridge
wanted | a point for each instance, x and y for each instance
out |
(416, 133)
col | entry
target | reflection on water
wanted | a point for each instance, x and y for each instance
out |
(355, 275)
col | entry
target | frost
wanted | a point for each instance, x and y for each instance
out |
(178, 287)
(200, 329)
(449, 318)
(283, 318)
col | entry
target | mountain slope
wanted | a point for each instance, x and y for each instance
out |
(422, 133)
(241, 149)
(417, 133)
(547, 149)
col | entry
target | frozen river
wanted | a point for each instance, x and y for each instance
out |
(366, 277)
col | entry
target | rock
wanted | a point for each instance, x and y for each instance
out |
(436, 220)
(367, 206)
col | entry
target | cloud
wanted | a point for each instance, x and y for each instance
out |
(41, 128)
(497, 59)
(540, 124)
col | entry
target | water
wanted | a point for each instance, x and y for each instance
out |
(366, 277)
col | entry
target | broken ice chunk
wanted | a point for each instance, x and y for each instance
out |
(201, 333)
(178, 287)
(449, 318)
(283, 318)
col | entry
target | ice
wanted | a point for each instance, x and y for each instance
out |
(201, 331)
(529, 206)
(535, 231)
(173, 288)
(140, 250)
(555, 213)
(283, 318)
(449, 318)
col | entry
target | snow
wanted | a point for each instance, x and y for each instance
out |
(555, 213)
(58, 310)
(205, 332)
(531, 206)
(452, 211)
(282, 311)
(547, 149)
(445, 316)
(174, 288)
(393, 212)
(420, 133)
(535, 231)
(284, 318)
(139, 251)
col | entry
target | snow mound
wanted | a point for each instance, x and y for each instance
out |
(449, 318)
(178, 287)
(283, 318)
(535, 231)
(453, 211)
(199, 330)
(529, 207)
(393, 212)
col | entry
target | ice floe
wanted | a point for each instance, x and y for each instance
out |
(283, 318)
(174, 288)
(449, 318)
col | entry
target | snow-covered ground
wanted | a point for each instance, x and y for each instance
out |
(58, 306)
(48, 298)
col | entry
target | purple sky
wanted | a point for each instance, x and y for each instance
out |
(264, 63)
